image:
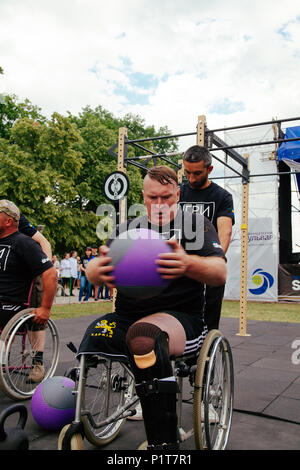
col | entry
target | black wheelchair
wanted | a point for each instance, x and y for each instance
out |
(105, 397)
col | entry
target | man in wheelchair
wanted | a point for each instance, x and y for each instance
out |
(21, 260)
(149, 332)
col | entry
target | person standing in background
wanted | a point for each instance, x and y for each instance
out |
(73, 265)
(84, 283)
(200, 195)
(65, 272)
(56, 264)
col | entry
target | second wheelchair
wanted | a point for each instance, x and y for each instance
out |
(18, 347)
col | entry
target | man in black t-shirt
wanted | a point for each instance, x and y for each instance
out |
(199, 195)
(21, 260)
(149, 331)
(27, 228)
(85, 285)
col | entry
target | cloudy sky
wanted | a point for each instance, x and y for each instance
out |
(167, 60)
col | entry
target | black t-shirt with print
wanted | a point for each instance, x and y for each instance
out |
(212, 202)
(21, 260)
(84, 261)
(183, 294)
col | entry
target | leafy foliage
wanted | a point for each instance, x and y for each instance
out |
(54, 169)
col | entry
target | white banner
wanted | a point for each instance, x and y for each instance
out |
(262, 272)
(263, 252)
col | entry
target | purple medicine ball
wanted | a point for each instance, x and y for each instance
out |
(133, 256)
(53, 404)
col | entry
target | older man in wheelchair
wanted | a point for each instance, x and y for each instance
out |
(150, 332)
(21, 261)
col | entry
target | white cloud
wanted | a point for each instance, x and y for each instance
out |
(65, 55)
(236, 62)
(169, 61)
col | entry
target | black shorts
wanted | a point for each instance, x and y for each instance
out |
(8, 311)
(107, 335)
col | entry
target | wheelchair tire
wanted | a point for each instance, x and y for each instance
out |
(213, 388)
(17, 351)
(107, 388)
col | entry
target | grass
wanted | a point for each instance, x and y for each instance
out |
(262, 311)
(80, 310)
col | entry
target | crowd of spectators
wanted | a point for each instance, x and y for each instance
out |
(71, 275)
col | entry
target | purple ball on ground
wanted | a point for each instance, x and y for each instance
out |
(53, 403)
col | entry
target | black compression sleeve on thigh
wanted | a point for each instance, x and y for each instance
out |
(141, 336)
(149, 346)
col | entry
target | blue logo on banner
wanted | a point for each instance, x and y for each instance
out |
(263, 279)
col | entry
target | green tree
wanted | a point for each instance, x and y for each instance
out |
(38, 168)
(11, 110)
(99, 130)
(54, 169)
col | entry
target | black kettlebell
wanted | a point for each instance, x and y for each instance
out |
(14, 438)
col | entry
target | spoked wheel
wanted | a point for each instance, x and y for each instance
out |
(18, 347)
(107, 387)
(213, 393)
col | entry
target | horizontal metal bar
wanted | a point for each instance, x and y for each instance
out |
(142, 148)
(130, 160)
(158, 155)
(235, 155)
(276, 174)
(224, 177)
(169, 161)
(160, 137)
(252, 176)
(228, 147)
(228, 166)
(209, 131)
(138, 165)
(264, 123)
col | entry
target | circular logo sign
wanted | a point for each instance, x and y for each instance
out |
(116, 186)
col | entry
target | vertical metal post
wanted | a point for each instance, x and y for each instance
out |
(122, 151)
(180, 171)
(201, 130)
(121, 167)
(244, 258)
(80, 389)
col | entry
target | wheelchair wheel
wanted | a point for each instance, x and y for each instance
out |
(17, 349)
(213, 393)
(76, 442)
(107, 387)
